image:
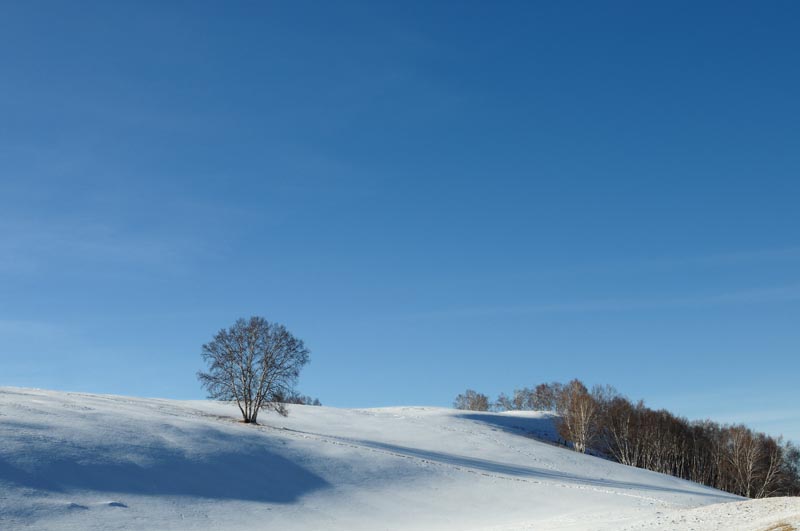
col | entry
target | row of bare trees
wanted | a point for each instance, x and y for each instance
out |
(733, 458)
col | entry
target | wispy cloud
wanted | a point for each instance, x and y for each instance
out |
(763, 416)
(788, 253)
(754, 296)
(725, 260)
(28, 328)
(29, 246)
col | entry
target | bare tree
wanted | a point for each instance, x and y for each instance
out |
(621, 431)
(790, 470)
(579, 412)
(522, 400)
(472, 401)
(253, 363)
(544, 396)
(503, 403)
(744, 454)
(769, 477)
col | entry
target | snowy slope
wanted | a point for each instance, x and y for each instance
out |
(95, 462)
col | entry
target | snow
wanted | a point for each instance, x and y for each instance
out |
(71, 461)
(771, 514)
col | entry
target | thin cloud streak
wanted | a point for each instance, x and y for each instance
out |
(761, 416)
(28, 247)
(787, 293)
(27, 328)
(733, 258)
(712, 261)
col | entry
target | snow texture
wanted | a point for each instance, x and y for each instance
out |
(71, 461)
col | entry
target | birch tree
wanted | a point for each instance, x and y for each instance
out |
(579, 415)
(254, 363)
(744, 454)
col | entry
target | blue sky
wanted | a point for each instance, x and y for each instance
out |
(433, 197)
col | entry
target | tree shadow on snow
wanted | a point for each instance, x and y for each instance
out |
(232, 467)
(489, 467)
(542, 427)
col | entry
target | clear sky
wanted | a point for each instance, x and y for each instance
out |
(433, 195)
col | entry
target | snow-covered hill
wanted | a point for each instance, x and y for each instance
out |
(95, 462)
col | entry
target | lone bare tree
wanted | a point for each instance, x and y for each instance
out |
(253, 363)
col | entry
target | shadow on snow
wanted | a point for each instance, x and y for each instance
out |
(542, 427)
(236, 467)
(528, 472)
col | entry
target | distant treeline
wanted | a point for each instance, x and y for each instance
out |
(730, 457)
(297, 398)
